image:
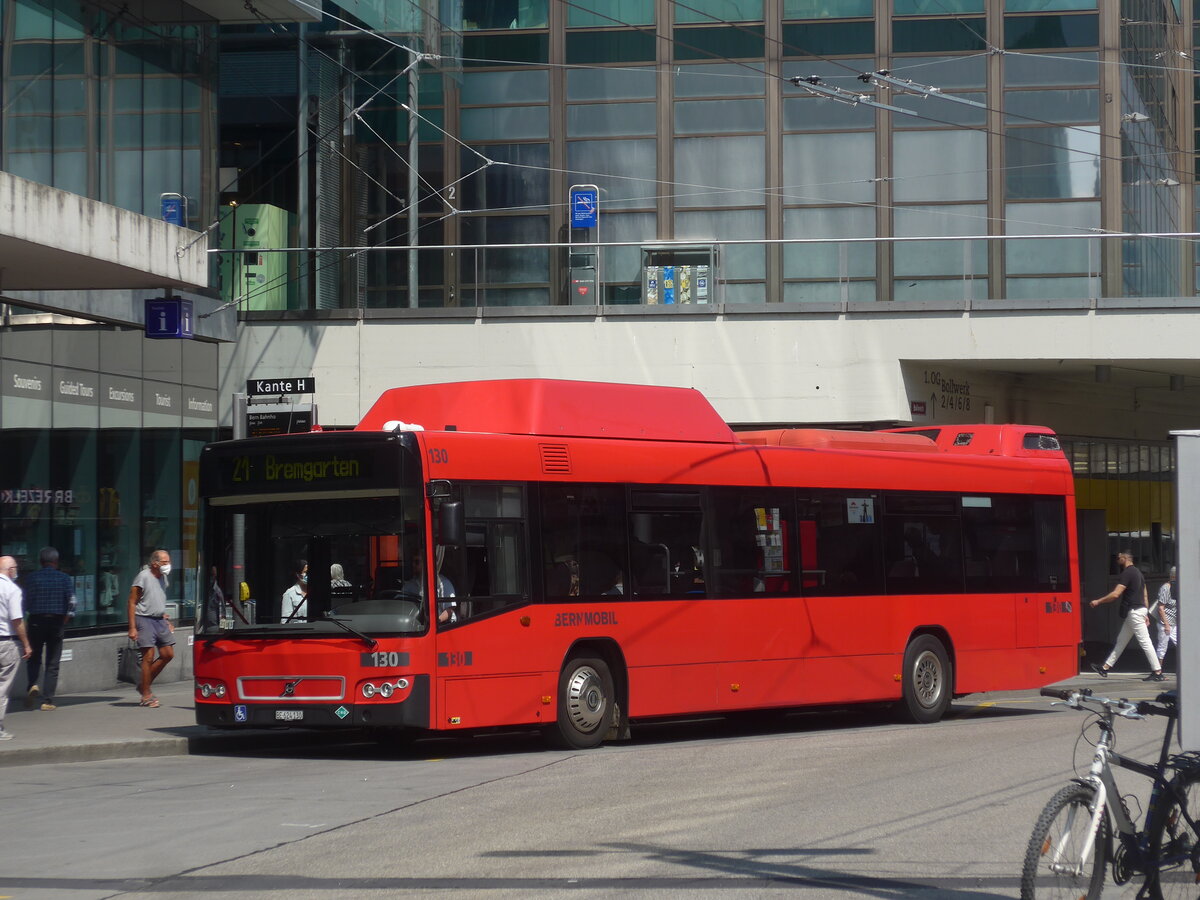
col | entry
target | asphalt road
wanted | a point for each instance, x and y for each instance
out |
(817, 806)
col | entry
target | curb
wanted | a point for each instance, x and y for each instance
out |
(196, 744)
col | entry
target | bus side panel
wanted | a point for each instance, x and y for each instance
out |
(1011, 670)
(497, 700)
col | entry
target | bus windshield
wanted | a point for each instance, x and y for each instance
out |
(316, 566)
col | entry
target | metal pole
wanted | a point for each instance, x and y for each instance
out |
(412, 186)
(302, 167)
(237, 553)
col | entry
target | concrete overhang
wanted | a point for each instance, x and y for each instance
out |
(51, 239)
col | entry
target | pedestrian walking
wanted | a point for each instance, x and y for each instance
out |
(1168, 616)
(1130, 591)
(149, 624)
(12, 631)
(49, 598)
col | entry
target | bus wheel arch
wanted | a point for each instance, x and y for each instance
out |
(927, 677)
(592, 700)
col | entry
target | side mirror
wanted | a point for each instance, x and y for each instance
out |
(452, 526)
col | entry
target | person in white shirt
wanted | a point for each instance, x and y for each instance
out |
(294, 605)
(12, 631)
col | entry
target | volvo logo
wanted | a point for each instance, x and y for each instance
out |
(289, 689)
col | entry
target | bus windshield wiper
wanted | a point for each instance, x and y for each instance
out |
(369, 641)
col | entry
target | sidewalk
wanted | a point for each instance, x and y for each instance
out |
(111, 725)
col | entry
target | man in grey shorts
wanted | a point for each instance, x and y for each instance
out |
(149, 625)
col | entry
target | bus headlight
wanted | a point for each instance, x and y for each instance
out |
(368, 690)
(385, 690)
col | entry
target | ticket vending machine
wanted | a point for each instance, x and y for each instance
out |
(259, 280)
(679, 275)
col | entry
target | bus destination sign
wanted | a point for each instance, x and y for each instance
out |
(258, 387)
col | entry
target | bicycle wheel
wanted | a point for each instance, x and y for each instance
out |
(1054, 863)
(1173, 834)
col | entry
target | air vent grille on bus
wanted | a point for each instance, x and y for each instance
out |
(556, 459)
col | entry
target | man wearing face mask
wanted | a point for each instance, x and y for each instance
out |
(149, 625)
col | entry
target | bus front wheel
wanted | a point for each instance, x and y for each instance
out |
(586, 700)
(927, 680)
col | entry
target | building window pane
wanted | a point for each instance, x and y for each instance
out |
(719, 11)
(1044, 32)
(489, 88)
(829, 259)
(721, 171)
(1065, 68)
(741, 42)
(505, 49)
(834, 38)
(718, 80)
(479, 14)
(597, 47)
(939, 35)
(944, 71)
(625, 171)
(611, 119)
(525, 183)
(1047, 5)
(1052, 106)
(811, 179)
(505, 123)
(703, 116)
(940, 165)
(737, 261)
(916, 258)
(818, 114)
(936, 7)
(827, 9)
(927, 113)
(611, 84)
(505, 265)
(601, 13)
(1052, 162)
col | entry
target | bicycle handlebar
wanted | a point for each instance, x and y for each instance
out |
(1081, 698)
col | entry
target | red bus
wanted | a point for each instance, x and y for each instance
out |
(579, 555)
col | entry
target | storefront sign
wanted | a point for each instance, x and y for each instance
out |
(26, 379)
(73, 386)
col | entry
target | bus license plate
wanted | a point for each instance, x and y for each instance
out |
(289, 715)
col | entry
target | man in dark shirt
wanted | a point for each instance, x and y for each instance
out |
(49, 605)
(1134, 610)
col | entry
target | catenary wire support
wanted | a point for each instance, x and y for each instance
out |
(814, 85)
(885, 80)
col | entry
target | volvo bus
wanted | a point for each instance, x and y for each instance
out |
(580, 556)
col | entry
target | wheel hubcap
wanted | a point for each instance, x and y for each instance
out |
(585, 699)
(927, 679)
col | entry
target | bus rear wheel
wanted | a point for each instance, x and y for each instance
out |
(586, 700)
(927, 680)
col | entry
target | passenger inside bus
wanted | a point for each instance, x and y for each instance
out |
(294, 603)
(447, 604)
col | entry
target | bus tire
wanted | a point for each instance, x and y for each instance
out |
(928, 681)
(586, 700)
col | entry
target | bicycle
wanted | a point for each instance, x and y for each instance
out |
(1072, 842)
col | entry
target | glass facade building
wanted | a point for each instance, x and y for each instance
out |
(998, 184)
(100, 428)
